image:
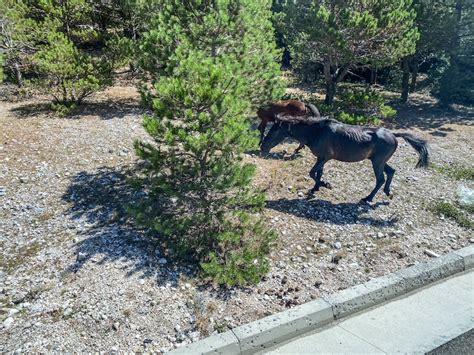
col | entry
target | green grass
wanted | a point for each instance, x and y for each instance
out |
(454, 212)
(455, 171)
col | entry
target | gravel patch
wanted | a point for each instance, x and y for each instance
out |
(76, 275)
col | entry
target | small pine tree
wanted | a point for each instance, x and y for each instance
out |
(71, 75)
(209, 75)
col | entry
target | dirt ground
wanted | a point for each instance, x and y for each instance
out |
(75, 275)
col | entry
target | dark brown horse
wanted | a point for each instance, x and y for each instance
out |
(330, 139)
(287, 107)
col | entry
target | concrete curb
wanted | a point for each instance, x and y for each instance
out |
(272, 330)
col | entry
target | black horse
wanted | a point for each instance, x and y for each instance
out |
(330, 139)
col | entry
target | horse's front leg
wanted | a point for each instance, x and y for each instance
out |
(316, 173)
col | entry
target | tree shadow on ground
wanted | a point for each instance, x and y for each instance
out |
(429, 116)
(99, 202)
(105, 109)
(336, 213)
(283, 155)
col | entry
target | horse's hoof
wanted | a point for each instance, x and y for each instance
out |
(390, 196)
(365, 200)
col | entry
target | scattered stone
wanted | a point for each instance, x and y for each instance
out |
(194, 336)
(68, 312)
(18, 297)
(7, 323)
(336, 258)
(162, 261)
(337, 245)
(81, 257)
(431, 253)
(81, 198)
(12, 312)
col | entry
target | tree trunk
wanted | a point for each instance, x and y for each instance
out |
(414, 74)
(405, 79)
(19, 79)
(330, 92)
(373, 76)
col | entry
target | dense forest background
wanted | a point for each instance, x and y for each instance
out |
(76, 46)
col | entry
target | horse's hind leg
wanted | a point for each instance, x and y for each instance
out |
(390, 172)
(378, 171)
(322, 182)
(297, 150)
(316, 173)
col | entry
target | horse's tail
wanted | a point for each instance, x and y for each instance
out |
(420, 145)
(313, 109)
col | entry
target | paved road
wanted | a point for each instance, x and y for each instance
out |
(417, 323)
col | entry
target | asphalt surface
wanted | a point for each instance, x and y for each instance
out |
(463, 344)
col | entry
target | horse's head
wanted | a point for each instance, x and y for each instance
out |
(275, 136)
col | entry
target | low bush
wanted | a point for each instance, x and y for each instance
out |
(455, 171)
(455, 211)
(356, 106)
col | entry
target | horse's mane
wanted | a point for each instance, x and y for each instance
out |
(295, 119)
(351, 132)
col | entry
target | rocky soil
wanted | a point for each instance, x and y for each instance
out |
(75, 275)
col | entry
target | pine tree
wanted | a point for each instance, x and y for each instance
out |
(456, 82)
(211, 63)
(18, 37)
(340, 34)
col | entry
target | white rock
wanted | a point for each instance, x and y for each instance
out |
(7, 323)
(68, 312)
(12, 312)
(431, 253)
(162, 261)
